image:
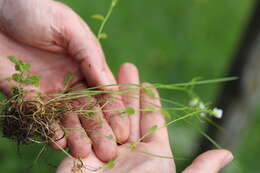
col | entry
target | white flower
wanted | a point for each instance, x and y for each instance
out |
(217, 112)
(199, 105)
(194, 102)
(202, 114)
(202, 106)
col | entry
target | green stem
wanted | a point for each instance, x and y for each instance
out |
(113, 4)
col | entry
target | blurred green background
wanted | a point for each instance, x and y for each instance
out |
(170, 41)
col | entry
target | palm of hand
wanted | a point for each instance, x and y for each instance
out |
(145, 151)
(38, 34)
(50, 66)
(30, 37)
(54, 28)
(145, 158)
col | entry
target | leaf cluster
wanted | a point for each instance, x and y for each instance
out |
(23, 76)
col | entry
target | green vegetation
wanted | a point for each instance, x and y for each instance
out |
(30, 120)
(171, 41)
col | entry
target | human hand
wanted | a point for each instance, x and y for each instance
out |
(55, 41)
(145, 153)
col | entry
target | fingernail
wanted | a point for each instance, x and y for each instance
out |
(228, 158)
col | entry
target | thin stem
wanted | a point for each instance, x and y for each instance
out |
(100, 31)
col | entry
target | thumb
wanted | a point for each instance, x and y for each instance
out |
(87, 51)
(210, 162)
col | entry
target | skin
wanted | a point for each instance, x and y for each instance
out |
(133, 161)
(55, 41)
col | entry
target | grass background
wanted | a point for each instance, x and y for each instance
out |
(170, 41)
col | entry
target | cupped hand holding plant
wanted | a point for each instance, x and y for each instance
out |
(148, 149)
(55, 42)
(52, 42)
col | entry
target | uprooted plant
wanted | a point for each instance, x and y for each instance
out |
(29, 115)
(30, 118)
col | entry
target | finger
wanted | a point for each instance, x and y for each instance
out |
(62, 31)
(83, 46)
(210, 162)
(89, 54)
(94, 67)
(119, 122)
(77, 139)
(128, 74)
(101, 134)
(58, 141)
(97, 128)
(86, 49)
(150, 119)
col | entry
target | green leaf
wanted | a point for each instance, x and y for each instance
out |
(98, 17)
(13, 59)
(114, 2)
(17, 77)
(8, 79)
(68, 78)
(102, 36)
(25, 67)
(20, 65)
(110, 137)
(33, 80)
(166, 114)
(18, 68)
(129, 111)
(3, 104)
(15, 90)
(132, 146)
(110, 164)
(149, 92)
